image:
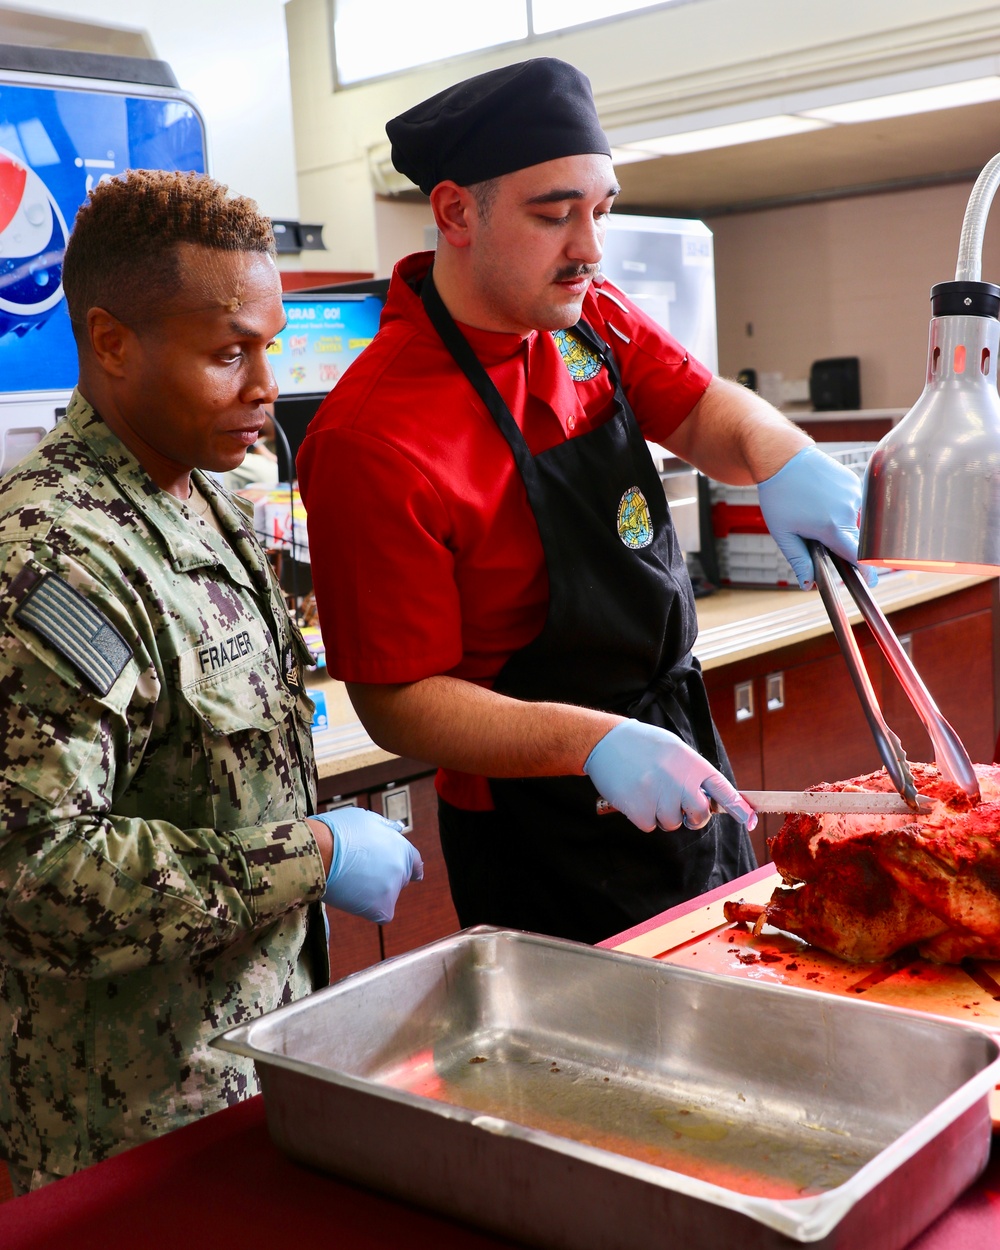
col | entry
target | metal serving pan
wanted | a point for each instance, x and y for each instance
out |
(584, 1099)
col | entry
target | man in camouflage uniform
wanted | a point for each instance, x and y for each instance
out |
(160, 875)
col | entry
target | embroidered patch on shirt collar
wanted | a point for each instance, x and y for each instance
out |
(582, 363)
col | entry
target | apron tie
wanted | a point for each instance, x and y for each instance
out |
(661, 687)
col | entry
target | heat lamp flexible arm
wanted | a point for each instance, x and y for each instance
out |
(970, 244)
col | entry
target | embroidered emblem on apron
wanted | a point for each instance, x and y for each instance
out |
(582, 363)
(635, 526)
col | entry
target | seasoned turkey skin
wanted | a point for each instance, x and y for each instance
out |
(865, 887)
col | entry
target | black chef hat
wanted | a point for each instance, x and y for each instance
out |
(497, 122)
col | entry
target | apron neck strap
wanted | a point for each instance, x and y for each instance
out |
(471, 366)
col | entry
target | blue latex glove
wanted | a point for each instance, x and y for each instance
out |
(372, 861)
(655, 779)
(813, 496)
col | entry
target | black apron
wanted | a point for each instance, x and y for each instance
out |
(618, 636)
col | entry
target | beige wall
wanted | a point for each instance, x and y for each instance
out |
(842, 278)
(669, 62)
(399, 229)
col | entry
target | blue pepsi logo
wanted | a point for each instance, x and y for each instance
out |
(33, 238)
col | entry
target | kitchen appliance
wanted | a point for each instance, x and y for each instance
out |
(932, 490)
(747, 378)
(666, 265)
(67, 119)
(835, 384)
(577, 1099)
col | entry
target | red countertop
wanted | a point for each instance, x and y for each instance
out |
(220, 1182)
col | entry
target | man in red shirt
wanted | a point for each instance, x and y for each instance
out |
(497, 575)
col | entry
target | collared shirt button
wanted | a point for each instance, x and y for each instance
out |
(571, 423)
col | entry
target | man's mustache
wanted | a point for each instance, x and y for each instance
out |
(577, 271)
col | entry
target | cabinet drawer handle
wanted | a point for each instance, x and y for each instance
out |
(396, 806)
(774, 691)
(743, 693)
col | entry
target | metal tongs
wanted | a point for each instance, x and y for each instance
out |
(950, 755)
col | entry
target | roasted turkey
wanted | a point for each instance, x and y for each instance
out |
(864, 887)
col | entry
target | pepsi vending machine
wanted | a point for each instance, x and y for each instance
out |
(67, 120)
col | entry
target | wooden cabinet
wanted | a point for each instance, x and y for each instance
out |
(845, 427)
(354, 943)
(802, 722)
(953, 655)
(424, 910)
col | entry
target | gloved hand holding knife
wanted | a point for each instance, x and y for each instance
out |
(657, 780)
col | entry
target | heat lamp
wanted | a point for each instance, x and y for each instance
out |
(931, 496)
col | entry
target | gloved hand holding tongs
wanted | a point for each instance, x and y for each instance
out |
(813, 496)
(811, 507)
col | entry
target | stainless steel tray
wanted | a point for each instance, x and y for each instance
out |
(584, 1099)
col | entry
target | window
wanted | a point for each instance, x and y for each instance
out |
(550, 15)
(373, 38)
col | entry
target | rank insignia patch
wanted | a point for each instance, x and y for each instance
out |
(71, 625)
(635, 525)
(582, 363)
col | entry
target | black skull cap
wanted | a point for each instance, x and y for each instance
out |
(496, 123)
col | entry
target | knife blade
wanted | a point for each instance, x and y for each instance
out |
(844, 802)
(837, 802)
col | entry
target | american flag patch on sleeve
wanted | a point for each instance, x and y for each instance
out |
(71, 625)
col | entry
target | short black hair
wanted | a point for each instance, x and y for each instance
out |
(485, 194)
(122, 252)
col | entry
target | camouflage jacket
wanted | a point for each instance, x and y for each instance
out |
(156, 763)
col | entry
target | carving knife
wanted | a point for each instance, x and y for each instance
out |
(842, 802)
(845, 802)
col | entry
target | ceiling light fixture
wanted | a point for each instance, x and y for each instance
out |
(904, 103)
(629, 156)
(953, 85)
(757, 128)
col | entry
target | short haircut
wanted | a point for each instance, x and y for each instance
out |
(122, 252)
(485, 194)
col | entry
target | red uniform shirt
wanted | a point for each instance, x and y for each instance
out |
(426, 558)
